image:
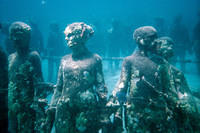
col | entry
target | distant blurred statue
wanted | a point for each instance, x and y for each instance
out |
(80, 93)
(180, 98)
(3, 92)
(127, 44)
(180, 35)
(196, 42)
(141, 89)
(115, 40)
(98, 43)
(9, 46)
(24, 73)
(55, 48)
(159, 24)
(36, 42)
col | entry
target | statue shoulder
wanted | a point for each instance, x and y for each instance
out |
(128, 60)
(65, 59)
(97, 58)
(11, 60)
(34, 56)
(11, 57)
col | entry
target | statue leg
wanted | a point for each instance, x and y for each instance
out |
(64, 122)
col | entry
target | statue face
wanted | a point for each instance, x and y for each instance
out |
(20, 33)
(17, 36)
(165, 49)
(77, 34)
(21, 40)
(144, 36)
(147, 40)
(74, 38)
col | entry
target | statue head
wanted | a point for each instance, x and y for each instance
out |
(144, 36)
(54, 27)
(77, 34)
(164, 47)
(20, 33)
(178, 19)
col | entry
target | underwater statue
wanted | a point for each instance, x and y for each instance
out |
(115, 39)
(36, 42)
(55, 48)
(179, 96)
(180, 35)
(141, 90)
(3, 92)
(80, 91)
(24, 73)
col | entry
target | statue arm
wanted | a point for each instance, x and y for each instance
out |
(123, 83)
(58, 89)
(50, 112)
(37, 69)
(101, 89)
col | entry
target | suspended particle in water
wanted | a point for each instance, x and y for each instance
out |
(43, 2)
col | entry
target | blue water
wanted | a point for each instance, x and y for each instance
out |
(138, 12)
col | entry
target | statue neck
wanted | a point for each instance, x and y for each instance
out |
(79, 52)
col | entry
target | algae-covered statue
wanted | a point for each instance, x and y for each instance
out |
(80, 92)
(180, 97)
(181, 37)
(141, 88)
(24, 73)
